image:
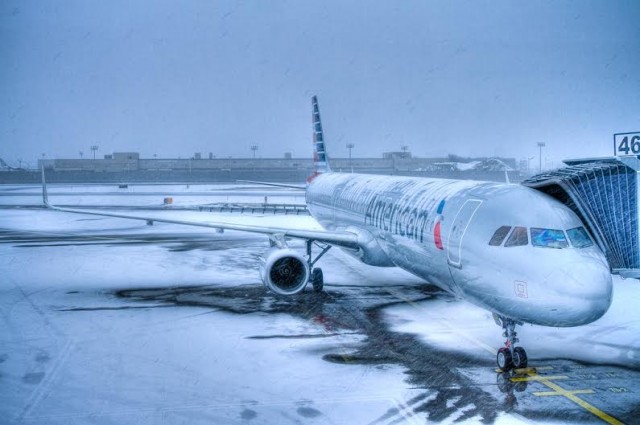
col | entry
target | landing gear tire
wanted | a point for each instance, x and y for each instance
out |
(519, 358)
(510, 357)
(504, 359)
(317, 279)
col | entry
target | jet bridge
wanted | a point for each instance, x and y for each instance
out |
(603, 192)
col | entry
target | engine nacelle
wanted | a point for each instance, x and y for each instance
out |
(284, 271)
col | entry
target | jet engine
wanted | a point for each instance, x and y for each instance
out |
(284, 271)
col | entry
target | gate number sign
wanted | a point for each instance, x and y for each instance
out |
(626, 144)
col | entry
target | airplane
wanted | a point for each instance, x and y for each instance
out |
(512, 250)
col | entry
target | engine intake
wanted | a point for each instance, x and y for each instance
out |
(284, 271)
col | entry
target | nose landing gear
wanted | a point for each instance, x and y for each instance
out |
(510, 357)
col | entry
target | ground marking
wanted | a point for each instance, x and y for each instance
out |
(570, 394)
(531, 372)
(549, 393)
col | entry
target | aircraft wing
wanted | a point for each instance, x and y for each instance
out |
(344, 239)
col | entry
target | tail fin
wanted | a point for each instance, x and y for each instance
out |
(320, 158)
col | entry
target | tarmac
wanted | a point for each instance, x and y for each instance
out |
(107, 321)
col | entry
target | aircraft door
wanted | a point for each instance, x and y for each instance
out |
(458, 229)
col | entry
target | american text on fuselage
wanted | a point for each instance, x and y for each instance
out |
(545, 269)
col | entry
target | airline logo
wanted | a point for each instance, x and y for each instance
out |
(403, 219)
(319, 151)
(398, 218)
(437, 231)
(319, 154)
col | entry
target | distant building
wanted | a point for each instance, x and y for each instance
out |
(128, 166)
(125, 156)
(401, 155)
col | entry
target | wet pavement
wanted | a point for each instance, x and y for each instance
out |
(449, 382)
(348, 325)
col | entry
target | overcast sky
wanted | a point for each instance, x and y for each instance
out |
(175, 77)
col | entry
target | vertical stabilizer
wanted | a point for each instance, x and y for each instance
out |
(320, 158)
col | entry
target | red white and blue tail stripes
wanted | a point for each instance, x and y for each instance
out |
(320, 158)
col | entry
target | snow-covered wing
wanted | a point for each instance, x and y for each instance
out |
(345, 239)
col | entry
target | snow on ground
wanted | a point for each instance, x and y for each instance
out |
(146, 194)
(460, 326)
(72, 352)
(180, 366)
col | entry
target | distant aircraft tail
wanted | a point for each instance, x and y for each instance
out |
(320, 158)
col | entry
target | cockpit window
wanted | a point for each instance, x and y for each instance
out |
(579, 237)
(548, 238)
(518, 237)
(499, 235)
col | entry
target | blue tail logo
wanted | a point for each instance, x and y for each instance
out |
(320, 158)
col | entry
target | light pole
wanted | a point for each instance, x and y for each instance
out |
(404, 149)
(541, 145)
(350, 146)
(94, 148)
(528, 164)
(254, 148)
(81, 154)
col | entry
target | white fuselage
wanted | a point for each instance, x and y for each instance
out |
(440, 230)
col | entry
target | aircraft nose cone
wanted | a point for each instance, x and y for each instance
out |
(587, 287)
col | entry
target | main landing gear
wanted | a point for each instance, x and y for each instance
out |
(316, 277)
(510, 357)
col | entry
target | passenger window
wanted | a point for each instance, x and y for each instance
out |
(548, 238)
(579, 237)
(518, 237)
(499, 235)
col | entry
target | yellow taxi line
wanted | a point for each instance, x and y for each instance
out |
(550, 393)
(538, 378)
(571, 395)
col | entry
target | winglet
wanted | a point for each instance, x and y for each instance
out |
(45, 197)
